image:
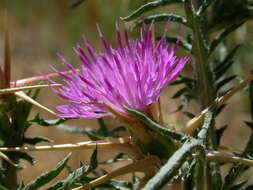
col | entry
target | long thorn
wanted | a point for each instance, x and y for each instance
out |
(23, 96)
(122, 144)
(7, 159)
(36, 79)
(227, 157)
(12, 90)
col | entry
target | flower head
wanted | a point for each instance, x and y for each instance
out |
(132, 75)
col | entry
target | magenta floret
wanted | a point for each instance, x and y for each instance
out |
(132, 75)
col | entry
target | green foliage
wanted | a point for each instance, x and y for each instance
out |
(45, 123)
(225, 64)
(76, 176)
(24, 156)
(182, 43)
(48, 176)
(103, 132)
(36, 140)
(3, 188)
(14, 123)
(156, 127)
(209, 23)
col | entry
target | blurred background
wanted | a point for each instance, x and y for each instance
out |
(41, 29)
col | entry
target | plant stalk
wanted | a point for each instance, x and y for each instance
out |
(204, 84)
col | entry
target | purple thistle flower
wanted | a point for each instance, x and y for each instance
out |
(132, 75)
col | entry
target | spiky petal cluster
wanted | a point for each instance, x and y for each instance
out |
(132, 75)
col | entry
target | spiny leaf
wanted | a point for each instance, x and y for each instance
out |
(228, 58)
(222, 37)
(91, 133)
(180, 92)
(231, 54)
(24, 156)
(48, 176)
(162, 18)
(149, 6)
(238, 169)
(103, 127)
(168, 171)
(183, 80)
(182, 43)
(93, 160)
(204, 6)
(46, 123)
(156, 127)
(36, 140)
(225, 81)
(76, 175)
(220, 69)
(249, 124)
(233, 174)
(189, 115)
(117, 130)
(183, 104)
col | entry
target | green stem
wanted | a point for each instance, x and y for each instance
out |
(204, 84)
(199, 171)
(204, 81)
(213, 168)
